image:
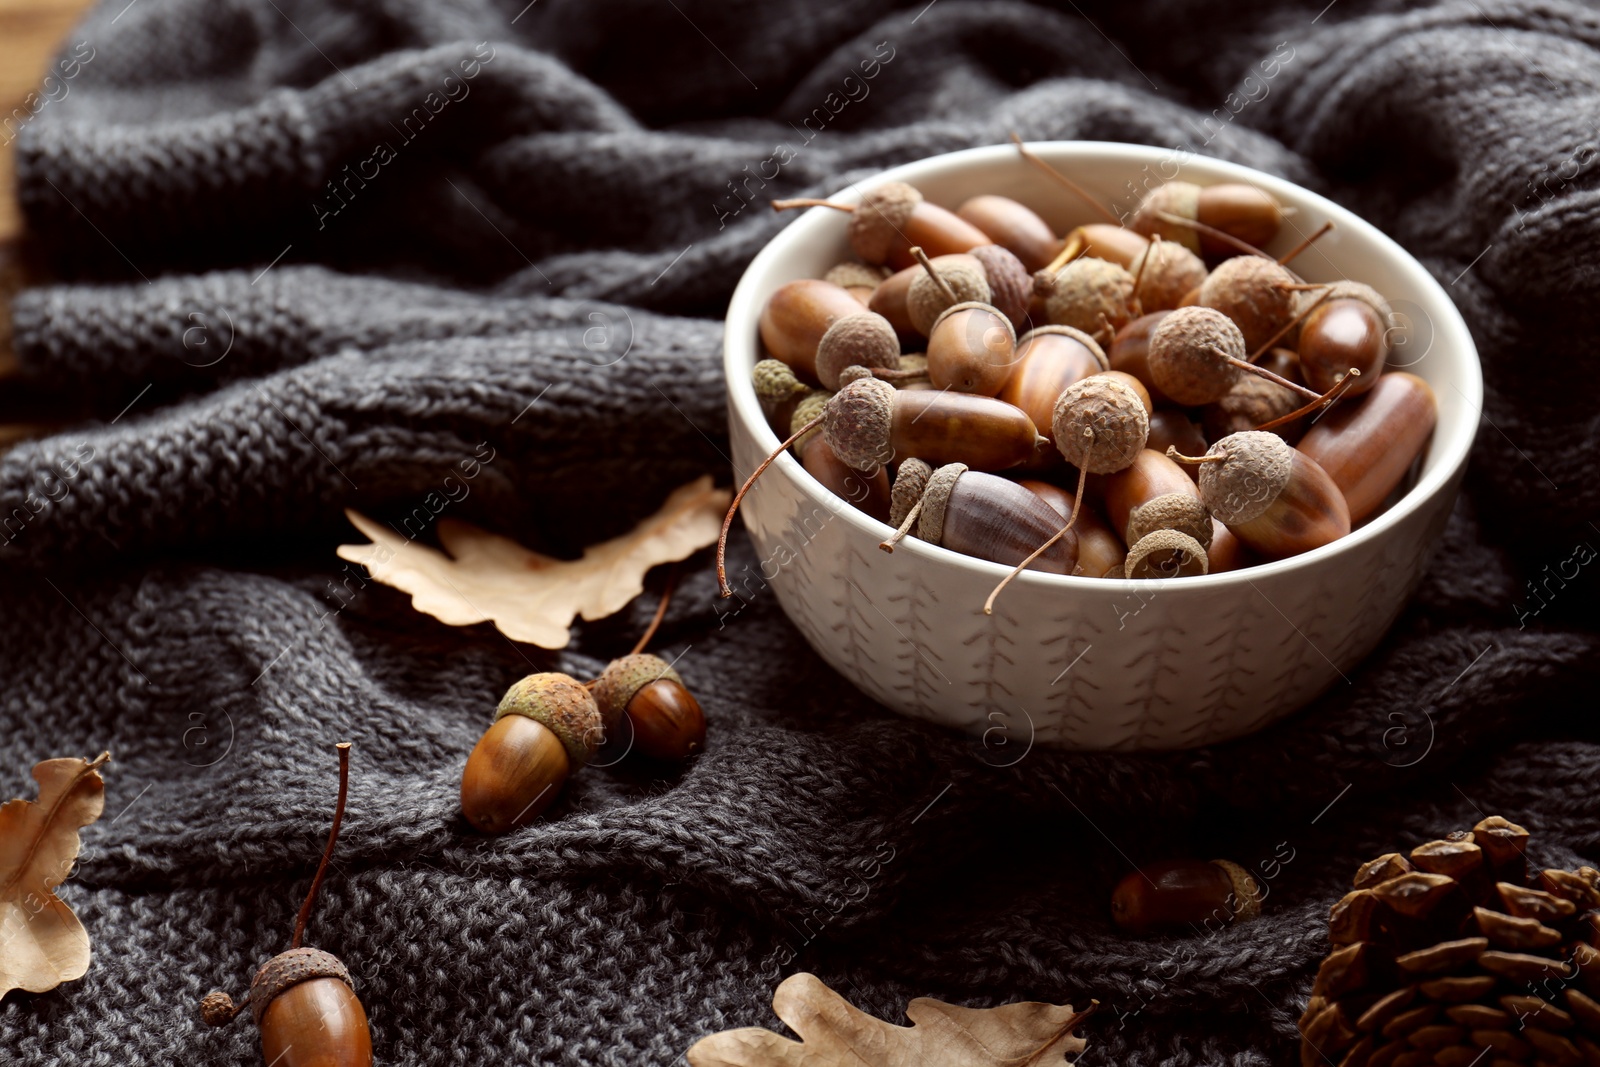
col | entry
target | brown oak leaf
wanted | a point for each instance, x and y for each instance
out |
(835, 1033)
(42, 943)
(529, 596)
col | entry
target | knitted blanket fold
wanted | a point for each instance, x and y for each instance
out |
(307, 256)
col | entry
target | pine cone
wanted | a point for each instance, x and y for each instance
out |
(1457, 957)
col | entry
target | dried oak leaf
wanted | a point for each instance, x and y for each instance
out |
(835, 1033)
(532, 597)
(42, 944)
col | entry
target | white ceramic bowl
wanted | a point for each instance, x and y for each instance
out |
(1092, 663)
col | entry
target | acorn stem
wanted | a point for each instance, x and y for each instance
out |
(327, 851)
(1173, 453)
(1077, 502)
(722, 538)
(1262, 372)
(1305, 244)
(1138, 275)
(905, 527)
(1211, 231)
(1326, 400)
(1065, 182)
(805, 201)
(1327, 291)
(927, 265)
(661, 612)
(1073, 247)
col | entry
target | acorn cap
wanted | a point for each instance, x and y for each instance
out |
(876, 224)
(1175, 198)
(851, 275)
(1077, 335)
(858, 422)
(1173, 270)
(1170, 511)
(1010, 284)
(1099, 424)
(290, 968)
(909, 482)
(1088, 288)
(925, 300)
(1245, 891)
(1257, 468)
(811, 405)
(624, 677)
(775, 383)
(1251, 290)
(930, 524)
(561, 703)
(862, 340)
(1166, 554)
(1182, 355)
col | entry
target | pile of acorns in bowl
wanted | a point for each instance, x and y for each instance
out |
(1156, 400)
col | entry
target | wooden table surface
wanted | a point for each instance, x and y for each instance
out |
(30, 33)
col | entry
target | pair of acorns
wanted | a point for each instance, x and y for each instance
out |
(549, 725)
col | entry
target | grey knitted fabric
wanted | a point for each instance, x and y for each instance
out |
(259, 319)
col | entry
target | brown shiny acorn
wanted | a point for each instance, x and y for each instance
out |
(1368, 444)
(1276, 499)
(971, 349)
(894, 217)
(1337, 335)
(1013, 226)
(1153, 492)
(1049, 359)
(795, 318)
(890, 298)
(546, 727)
(303, 1000)
(868, 492)
(1240, 211)
(979, 515)
(1182, 896)
(1226, 552)
(667, 721)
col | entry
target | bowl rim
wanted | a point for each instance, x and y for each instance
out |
(741, 342)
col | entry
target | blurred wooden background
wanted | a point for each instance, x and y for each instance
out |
(30, 33)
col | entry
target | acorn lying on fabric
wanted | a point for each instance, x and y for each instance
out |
(1270, 395)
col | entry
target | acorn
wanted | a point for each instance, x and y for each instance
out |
(945, 282)
(1240, 211)
(667, 721)
(980, 515)
(892, 218)
(796, 316)
(1010, 284)
(1092, 295)
(1193, 355)
(778, 390)
(1276, 499)
(1164, 273)
(1257, 294)
(865, 340)
(303, 1000)
(1014, 227)
(1251, 402)
(546, 727)
(1181, 895)
(972, 348)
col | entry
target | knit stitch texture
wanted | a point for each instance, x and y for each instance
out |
(309, 256)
